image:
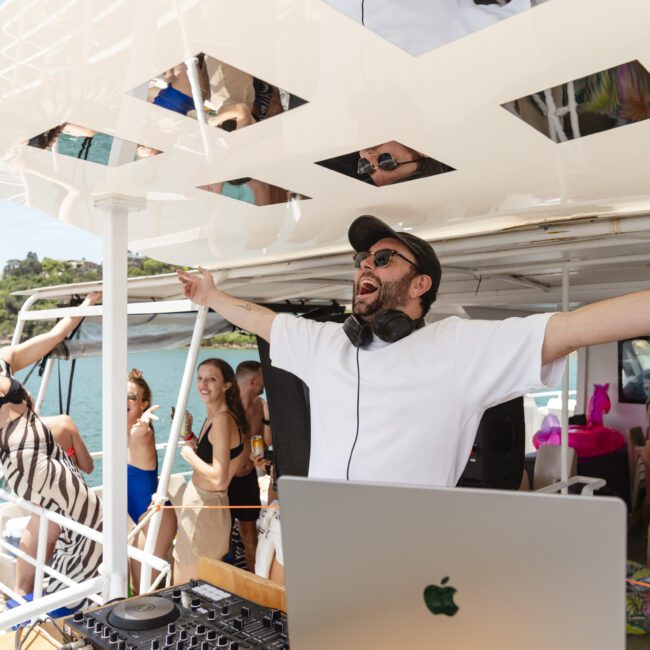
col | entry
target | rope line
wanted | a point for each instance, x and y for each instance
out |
(159, 507)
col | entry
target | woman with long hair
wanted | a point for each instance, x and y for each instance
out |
(36, 468)
(142, 471)
(215, 459)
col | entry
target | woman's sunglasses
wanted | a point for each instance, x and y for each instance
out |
(381, 257)
(385, 161)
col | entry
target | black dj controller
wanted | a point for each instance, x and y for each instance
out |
(195, 616)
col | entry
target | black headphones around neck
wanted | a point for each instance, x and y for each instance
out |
(389, 326)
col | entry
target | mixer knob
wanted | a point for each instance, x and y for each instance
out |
(238, 623)
(205, 645)
(195, 603)
(224, 610)
(171, 628)
(233, 645)
(194, 642)
(98, 626)
(182, 635)
(275, 614)
(222, 641)
(179, 645)
(106, 633)
(278, 625)
(121, 644)
(78, 617)
(211, 615)
(155, 644)
(90, 623)
(169, 639)
(245, 611)
(114, 636)
(266, 620)
(200, 629)
(176, 595)
(211, 635)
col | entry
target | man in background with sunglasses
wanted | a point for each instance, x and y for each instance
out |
(392, 162)
(396, 400)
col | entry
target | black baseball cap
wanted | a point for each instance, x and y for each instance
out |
(367, 230)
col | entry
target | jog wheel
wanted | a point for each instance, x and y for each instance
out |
(143, 613)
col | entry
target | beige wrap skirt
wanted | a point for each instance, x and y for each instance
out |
(202, 531)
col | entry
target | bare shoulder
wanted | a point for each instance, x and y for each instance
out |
(223, 421)
(6, 354)
(258, 406)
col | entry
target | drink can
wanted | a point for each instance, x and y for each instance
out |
(257, 446)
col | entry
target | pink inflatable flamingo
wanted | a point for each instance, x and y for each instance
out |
(592, 439)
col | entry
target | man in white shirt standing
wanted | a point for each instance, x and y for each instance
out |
(392, 399)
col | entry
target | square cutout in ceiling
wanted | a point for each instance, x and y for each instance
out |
(250, 190)
(81, 142)
(231, 98)
(601, 101)
(386, 164)
(419, 26)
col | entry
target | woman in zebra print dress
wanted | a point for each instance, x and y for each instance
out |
(36, 468)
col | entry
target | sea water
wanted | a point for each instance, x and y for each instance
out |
(163, 370)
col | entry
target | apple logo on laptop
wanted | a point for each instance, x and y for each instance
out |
(440, 600)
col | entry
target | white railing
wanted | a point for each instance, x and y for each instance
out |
(74, 591)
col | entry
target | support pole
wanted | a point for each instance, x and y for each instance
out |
(193, 75)
(564, 440)
(20, 323)
(170, 452)
(45, 381)
(41, 559)
(114, 372)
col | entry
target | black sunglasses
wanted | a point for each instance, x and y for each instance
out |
(382, 258)
(385, 161)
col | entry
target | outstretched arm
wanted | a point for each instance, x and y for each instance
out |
(601, 322)
(23, 354)
(199, 288)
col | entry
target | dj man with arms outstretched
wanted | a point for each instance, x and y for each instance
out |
(422, 388)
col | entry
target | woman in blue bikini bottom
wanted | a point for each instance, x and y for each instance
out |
(142, 471)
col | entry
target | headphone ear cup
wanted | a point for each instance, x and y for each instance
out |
(392, 326)
(359, 334)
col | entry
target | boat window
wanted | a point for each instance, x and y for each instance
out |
(386, 164)
(255, 192)
(598, 102)
(81, 142)
(634, 370)
(419, 26)
(231, 98)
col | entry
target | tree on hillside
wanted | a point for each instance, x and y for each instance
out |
(19, 268)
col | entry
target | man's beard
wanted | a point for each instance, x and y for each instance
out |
(390, 295)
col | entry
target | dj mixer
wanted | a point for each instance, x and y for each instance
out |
(195, 616)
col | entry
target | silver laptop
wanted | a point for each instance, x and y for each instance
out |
(377, 566)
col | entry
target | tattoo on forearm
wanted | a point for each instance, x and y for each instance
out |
(249, 307)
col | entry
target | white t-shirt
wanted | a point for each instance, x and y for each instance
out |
(421, 398)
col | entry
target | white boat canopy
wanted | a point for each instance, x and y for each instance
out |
(514, 185)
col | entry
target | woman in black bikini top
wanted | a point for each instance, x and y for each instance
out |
(204, 522)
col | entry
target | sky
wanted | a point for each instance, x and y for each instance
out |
(23, 229)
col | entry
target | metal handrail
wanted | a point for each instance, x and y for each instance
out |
(43, 604)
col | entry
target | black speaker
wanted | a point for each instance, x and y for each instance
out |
(497, 457)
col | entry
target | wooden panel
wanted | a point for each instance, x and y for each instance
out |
(243, 583)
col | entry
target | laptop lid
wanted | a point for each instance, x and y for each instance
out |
(377, 566)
